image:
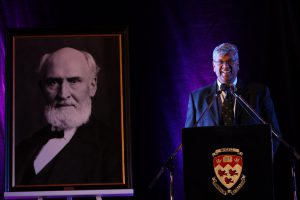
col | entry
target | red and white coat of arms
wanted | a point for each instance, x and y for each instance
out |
(228, 166)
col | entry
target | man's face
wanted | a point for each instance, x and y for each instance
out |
(226, 68)
(68, 82)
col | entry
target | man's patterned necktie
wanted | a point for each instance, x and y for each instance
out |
(227, 109)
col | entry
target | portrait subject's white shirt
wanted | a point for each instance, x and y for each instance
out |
(51, 149)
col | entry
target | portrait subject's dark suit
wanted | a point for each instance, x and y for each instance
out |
(93, 155)
(256, 95)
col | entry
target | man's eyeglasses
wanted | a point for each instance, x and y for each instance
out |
(229, 62)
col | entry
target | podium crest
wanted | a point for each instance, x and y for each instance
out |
(228, 167)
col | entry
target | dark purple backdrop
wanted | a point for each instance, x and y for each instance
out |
(170, 55)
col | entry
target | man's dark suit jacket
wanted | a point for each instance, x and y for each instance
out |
(256, 95)
(93, 155)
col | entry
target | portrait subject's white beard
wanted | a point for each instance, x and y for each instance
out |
(62, 118)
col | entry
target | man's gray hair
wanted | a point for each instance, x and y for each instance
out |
(89, 58)
(224, 49)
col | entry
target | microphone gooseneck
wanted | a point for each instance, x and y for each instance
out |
(208, 107)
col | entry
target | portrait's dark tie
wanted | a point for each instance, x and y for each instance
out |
(227, 109)
(56, 134)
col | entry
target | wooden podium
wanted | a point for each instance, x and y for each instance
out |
(228, 163)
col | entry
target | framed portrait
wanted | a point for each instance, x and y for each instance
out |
(67, 113)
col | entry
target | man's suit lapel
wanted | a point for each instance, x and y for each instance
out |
(242, 92)
(33, 148)
(214, 110)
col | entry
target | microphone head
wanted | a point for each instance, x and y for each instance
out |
(227, 88)
(224, 87)
(232, 88)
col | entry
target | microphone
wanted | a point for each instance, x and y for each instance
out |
(233, 89)
(209, 105)
(228, 87)
(224, 87)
